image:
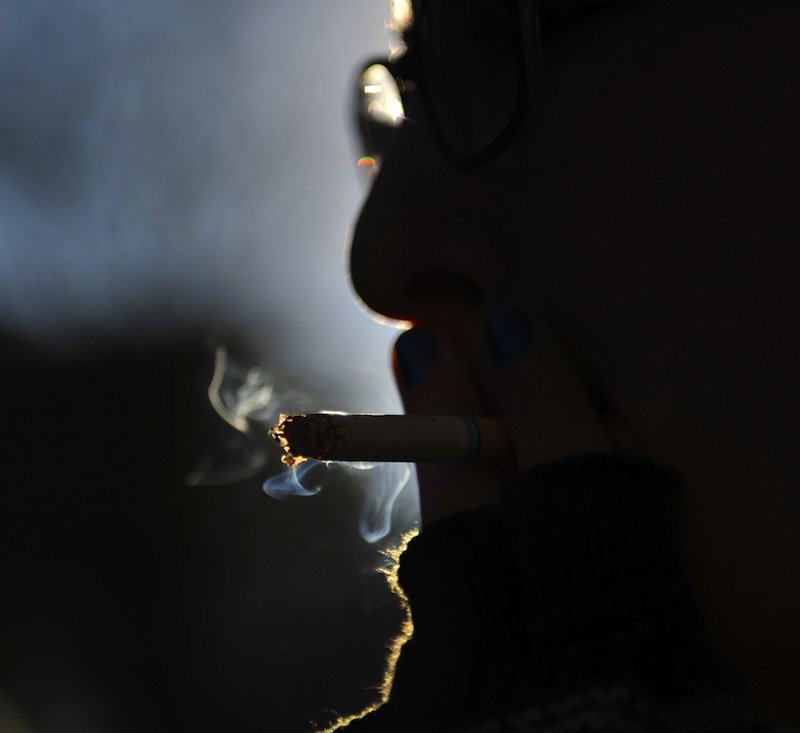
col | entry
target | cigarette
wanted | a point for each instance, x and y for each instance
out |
(390, 438)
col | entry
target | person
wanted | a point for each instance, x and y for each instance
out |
(589, 219)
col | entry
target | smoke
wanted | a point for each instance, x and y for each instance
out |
(381, 484)
(114, 192)
(184, 168)
(250, 398)
(186, 164)
(189, 165)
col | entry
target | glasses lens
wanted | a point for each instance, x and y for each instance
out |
(470, 54)
(380, 111)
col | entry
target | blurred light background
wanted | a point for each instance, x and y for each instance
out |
(174, 177)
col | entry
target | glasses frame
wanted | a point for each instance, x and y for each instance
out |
(526, 54)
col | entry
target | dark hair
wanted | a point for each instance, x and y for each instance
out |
(556, 16)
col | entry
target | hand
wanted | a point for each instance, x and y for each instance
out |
(514, 368)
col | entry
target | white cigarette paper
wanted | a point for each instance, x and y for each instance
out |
(390, 438)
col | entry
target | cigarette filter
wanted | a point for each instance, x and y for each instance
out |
(389, 438)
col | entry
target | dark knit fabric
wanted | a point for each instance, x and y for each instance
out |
(567, 608)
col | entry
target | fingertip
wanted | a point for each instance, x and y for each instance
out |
(434, 375)
(416, 353)
(510, 334)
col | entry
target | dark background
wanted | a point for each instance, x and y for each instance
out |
(174, 179)
(134, 602)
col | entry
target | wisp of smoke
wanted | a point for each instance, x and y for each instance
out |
(250, 399)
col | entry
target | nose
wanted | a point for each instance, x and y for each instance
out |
(429, 237)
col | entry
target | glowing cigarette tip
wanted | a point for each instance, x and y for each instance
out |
(389, 438)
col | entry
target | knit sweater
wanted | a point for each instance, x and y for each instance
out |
(564, 608)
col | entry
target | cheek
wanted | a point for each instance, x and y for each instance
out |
(614, 214)
(593, 248)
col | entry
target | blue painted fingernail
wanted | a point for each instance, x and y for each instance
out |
(416, 352)
(510, 332)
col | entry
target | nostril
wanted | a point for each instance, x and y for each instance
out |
(433, 287)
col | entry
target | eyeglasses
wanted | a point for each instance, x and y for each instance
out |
(477, 66)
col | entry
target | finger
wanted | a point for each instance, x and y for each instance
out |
(433, 377)
(536, 386)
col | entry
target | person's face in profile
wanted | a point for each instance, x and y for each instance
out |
(651, 211)
(650, 207)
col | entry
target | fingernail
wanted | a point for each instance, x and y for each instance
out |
(416, 352)
(510, 333)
